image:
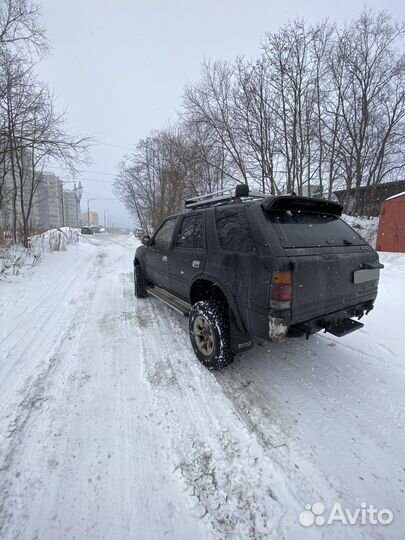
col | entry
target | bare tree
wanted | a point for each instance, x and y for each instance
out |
(20, 27)
(152, 181)
(292, 77)
(211, 104)
(369, 82)
(321, 109)
(256, 116)
(34, 133)
(22, 37)
(208, 165)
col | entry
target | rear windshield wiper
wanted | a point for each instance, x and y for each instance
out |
(337, 242)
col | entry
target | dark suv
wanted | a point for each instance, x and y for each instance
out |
(243, 265)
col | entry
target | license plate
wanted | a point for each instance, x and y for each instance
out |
(361, 276)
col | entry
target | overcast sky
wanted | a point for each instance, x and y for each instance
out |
(119, 66)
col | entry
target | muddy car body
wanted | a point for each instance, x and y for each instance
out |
(248, 266)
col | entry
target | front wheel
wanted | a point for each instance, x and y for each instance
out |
(210, 334)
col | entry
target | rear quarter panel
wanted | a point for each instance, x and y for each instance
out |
(245, 277)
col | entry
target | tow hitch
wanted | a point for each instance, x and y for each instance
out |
(345, 327)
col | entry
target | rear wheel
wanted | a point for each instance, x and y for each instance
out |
(139, 282)
(209, 333)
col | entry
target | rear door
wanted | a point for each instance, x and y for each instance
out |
(188, 255)
(328, 260)
(157, 254)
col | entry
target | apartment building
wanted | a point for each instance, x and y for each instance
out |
(71, 208)
(90, 218)
(53, 206)
(48, 202)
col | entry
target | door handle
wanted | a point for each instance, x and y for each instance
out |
(164, 258)
(196, 264)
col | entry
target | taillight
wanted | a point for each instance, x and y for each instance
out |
(281, 290)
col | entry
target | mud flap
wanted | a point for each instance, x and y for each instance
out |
(240, 341)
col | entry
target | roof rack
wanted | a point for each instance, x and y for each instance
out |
(241, 191)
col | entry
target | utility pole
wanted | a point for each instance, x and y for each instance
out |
(88, 209)
(78, 195)
(63, 205)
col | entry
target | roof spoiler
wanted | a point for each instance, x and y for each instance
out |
(305, 204)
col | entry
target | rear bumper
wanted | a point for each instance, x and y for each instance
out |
(319, 307)
(333, 319)
(281, 325)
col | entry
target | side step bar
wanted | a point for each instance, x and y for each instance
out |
(345, 327)
(176, 303)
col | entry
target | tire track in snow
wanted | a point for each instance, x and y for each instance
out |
(36, 337)
(171, 368)
(291, 485)
(321, 398)
(41, 321)
(28, 315)
(34, 399)
(90, 462)
(230, 481)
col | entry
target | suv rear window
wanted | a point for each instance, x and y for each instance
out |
(233, 230)
(306, 229)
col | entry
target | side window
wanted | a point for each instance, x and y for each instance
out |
(164, 235)
(190, 233)
(233, 230)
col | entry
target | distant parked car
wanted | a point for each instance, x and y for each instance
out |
(86, 230)
(95, 228)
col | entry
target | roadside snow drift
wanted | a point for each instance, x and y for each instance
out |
(15, 258)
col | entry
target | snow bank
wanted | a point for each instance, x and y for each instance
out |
(366, 227)
(14, 258)
(54, 240)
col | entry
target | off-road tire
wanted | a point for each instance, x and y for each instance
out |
(216, 315)
(139, 282)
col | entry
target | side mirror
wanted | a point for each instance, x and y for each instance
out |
(145, 240)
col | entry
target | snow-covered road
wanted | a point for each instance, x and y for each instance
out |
(110, 428)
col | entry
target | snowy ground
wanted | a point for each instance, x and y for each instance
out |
(110, 428)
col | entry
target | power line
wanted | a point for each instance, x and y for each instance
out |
(96, 180)
(98, 195)
(101, 143)
(114, 145)
(96, 172)
(85, 171)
